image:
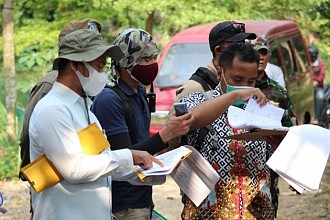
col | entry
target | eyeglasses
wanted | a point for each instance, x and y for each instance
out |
(234, 27)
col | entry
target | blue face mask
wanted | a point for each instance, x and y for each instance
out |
(229, 88)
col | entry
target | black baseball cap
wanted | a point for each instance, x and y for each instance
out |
(228, 31)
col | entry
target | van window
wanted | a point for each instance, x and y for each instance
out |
(180, 62)
(300, 54)
(274, 58)
(288, 66)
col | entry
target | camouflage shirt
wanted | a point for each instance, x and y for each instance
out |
(278, 95)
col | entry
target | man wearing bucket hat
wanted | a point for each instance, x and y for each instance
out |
(41, 88)
(85, 191)
(136, 69)
(277, 95)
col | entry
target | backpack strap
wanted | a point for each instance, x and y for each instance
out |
(127, 105)
(205, 77)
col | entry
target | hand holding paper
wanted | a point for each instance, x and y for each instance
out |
(260, 122)
(254, 116)
(169, 159)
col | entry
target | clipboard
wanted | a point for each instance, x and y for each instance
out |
(258, 134)
(41, 173)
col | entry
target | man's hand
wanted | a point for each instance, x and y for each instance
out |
(144, 159)
(256, 93)
(176, 126)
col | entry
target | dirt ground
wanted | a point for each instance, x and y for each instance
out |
(308, 206)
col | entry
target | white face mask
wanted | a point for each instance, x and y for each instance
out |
(94, 83)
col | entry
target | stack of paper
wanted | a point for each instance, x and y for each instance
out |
(188, 168)
(302, 156)
(254, 116)
(195, 176)
(259, 122)
(169, 159)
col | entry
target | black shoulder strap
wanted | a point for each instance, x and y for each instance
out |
(205, 77)
(127, 104)
(209, 81)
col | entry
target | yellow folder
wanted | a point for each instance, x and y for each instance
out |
(41, 173)
(92, 140)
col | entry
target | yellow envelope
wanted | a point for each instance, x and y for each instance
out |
(41, 173)
(92, 140)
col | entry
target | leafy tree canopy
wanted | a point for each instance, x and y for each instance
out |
(38, 22)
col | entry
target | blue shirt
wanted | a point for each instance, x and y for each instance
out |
(110, 111)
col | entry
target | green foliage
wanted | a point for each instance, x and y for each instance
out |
(32, 56)
(9, 158)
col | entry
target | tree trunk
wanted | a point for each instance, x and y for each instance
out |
(150, 22)
(9, 65)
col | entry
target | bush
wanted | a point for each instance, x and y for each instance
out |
(9, 157)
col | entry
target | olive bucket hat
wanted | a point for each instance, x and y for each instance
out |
(85, 46)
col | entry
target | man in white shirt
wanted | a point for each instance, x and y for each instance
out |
(85, 191)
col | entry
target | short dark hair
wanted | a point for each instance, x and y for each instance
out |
(243, 52)
(62, 65)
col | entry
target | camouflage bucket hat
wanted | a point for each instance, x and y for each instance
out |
(258, 43)
(136, 44)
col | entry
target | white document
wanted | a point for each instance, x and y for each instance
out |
(302, 156)
(269, 111)
(195, 176)
(169, 159)
(254, 116)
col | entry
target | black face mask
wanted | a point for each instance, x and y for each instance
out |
(313, 58)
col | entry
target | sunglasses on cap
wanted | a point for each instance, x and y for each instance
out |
(93, 26)
(234, 27)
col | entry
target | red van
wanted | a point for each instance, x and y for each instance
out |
(189, 49)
